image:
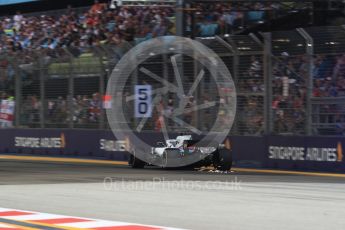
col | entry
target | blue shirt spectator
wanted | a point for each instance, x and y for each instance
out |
(208, 29)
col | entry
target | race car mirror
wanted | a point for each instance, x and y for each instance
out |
(169, 85)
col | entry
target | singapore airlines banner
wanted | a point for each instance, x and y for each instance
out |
(311, 153)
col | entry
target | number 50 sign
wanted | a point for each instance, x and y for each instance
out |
(143, 101)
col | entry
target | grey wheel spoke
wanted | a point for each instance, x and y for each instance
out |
(162, 90)
(177, 74)
(196, 82)
(164, 129)
(159, 79)
(143, 121)
(195, 108)
(186, 125)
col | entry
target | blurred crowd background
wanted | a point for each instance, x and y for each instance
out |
(43, 43)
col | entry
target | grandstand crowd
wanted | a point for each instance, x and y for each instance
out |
(228, 17)
(103, 24)
(84, 110)
(329, 76)
(290, 74)
(23, 36)
(98, 25)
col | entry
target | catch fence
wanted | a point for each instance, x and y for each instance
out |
(287, 82)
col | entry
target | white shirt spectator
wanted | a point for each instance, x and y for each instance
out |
(17, 20)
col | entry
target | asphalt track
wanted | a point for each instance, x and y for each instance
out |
(182, 199)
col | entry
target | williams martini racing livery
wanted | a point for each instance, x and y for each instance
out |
(175, 150)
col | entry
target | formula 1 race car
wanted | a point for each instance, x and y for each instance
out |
(177, 152)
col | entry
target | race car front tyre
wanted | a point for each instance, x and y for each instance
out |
(136, 163)
(222, 159)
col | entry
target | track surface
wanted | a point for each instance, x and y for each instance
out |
(183, 199)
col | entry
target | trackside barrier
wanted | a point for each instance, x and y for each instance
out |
(64, 142)
(275, 152)
(305, 153)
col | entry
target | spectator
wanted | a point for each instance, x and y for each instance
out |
(208, 28)
(97, 8)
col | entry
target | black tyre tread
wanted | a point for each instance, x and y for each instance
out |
(222, 159)
(136, 163)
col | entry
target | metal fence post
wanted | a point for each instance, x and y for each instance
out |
(42, 91)
(199, 116)
(235, 66)
(180, 17)
(70, 95)
(102, 91)
(310, 54)
(235, 62)
(18, 93)
(268, 119)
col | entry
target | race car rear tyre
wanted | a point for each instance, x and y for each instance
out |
(171, 158)
(135, 162)
(222, 159)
